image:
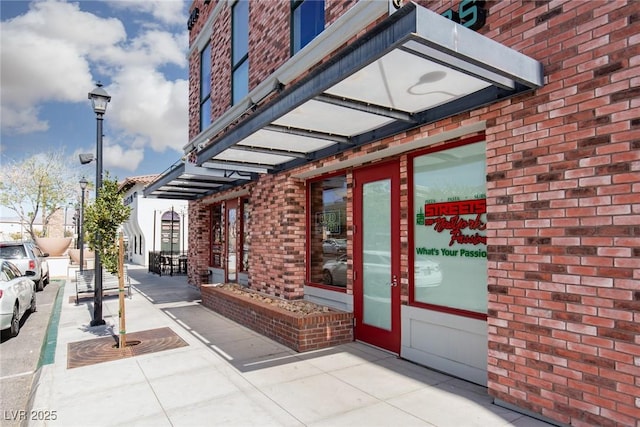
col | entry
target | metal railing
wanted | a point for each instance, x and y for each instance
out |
(167, 262)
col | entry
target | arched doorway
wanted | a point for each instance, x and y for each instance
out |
(170, 234)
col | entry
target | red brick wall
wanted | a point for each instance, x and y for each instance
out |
(199, 243)
(278, 236)
(562, 168)
(563, 214)
(299, 332)
(271, 40)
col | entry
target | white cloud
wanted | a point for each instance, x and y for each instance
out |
(121, 157)
(113, 156)
(166, 11)
(56, 51)
(19, 121)
(147, 105)
(45, 57)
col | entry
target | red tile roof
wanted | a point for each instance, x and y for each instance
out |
(133, 180)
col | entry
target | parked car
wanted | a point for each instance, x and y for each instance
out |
(334, 272)
(17, 296)
(427, 273)
(376, 266)
(334, 246)
(27, 257)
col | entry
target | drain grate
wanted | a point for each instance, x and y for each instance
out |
(90, 352)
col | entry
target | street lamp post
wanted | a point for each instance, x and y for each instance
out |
(99, 100)
(172, 213)
(83, 186)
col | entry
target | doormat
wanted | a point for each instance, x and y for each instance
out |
(90, 352)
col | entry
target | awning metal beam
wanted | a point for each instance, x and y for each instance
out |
(307, 133)
(237, 166)
(365, 107)
(286, 153)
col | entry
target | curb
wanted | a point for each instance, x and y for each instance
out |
(48, 350)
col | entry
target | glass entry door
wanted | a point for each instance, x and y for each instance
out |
(376, 255)
(232, 240)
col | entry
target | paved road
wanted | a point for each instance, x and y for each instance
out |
(19, 357)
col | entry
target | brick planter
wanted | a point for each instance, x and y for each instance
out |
(301, 332)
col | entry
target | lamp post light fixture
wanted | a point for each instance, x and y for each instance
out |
(83, 187)
(99, 100)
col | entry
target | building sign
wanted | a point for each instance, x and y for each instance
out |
(469, 13)
(129, 199)
(462, 219)
(193, 18)
(328, 221)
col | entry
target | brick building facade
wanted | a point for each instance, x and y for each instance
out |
(537, 294)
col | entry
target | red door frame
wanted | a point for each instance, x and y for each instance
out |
(389, 340)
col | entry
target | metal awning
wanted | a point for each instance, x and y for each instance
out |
(416, 67)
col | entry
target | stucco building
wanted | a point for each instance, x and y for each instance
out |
(463, 176)
(154, 225)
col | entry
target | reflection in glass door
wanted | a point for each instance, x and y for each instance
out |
(232, 260)
(376, 255)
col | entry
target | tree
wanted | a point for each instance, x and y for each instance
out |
(36, 187)
(102, 220)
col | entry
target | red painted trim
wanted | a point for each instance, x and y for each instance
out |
(444, 309)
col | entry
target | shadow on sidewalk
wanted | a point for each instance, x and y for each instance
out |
(265, 362)
(99, 331)
(163, 289)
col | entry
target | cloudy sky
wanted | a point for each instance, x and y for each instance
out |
(53, 52)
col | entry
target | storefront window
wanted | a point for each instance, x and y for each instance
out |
(328, 233)
(217, 236)
(450, 243)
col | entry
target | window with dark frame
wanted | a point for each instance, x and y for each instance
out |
(205, 87)
(327, 232)
(307, 21)
(239, 51)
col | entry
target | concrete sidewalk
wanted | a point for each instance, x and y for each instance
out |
(229, 375)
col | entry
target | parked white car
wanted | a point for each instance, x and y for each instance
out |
(27, 257)
(17, 296)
